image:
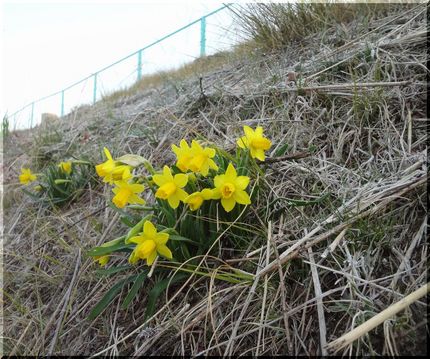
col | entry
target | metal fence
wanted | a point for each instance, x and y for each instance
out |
(105, 81)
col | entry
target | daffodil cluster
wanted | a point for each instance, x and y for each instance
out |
(115, 172)
(27, 176)
(192, 200)
(58, 183)
(227, 187)
(201, 174)
(197, 160)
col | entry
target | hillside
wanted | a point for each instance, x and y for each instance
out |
(342, 203)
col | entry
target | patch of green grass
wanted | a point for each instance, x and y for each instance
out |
(367, 233)
(274, 26)
(367, 105)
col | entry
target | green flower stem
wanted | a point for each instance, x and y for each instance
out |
(228, 277)
(141, 208)
(80, 162)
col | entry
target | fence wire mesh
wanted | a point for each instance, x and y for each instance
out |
(212, 33)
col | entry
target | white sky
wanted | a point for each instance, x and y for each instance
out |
(48, 46)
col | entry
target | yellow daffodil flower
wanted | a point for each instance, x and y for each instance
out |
(170, 188)
(194, 158)
(202, 159)
(230, 188)
(149, 244)
(255, 141)
(103, 260)
(26, 176)
(183, 154)
(111, 170)
(195, 200)
(127, 193)
(66, 167)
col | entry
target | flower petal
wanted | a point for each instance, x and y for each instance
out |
(259, 131)
(136, 239)
(219, 181)
(121, 198)
(149, 229)
(151, 258)
(135, 199)
(181, 194)
(173, 201)
(216, 193)
(137, 188)
(161, 238)
(103, 260)
(133, 258)
(259, 154)
(241, 197)
(205, 168)
(164, 251)
(176, 149)
(100, 170)
(228, 203)
(249, 132)
(212, 164)
(196, 146)
(180, 179)
(207, 194)
(241, 182)
(167, 174)
(210, 152)
(107, 153)
(243, 142)
(159, 180)
(230, 173)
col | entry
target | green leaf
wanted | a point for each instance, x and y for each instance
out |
(281, 150)
(109, 297)
(100, 251)
(185, 252)
(134, 289)
(110, 271)
(56, 187)
(126, 221)
(132, 160)
(158, 289)
(174, 237)
(32, 195)
(140, 207)
(169, 213)
(312, 148)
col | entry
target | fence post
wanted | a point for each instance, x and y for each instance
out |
(203, 36)
(62, 103)
(139, 65)
(32, 114)
(95, 88)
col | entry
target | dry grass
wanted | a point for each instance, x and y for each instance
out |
(320, 270)
(194, 69)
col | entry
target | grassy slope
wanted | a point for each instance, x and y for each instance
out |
(367, 155)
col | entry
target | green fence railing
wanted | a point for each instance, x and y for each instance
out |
(138, 54)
